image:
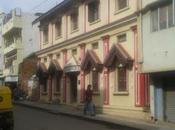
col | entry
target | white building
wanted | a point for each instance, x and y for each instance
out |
(158, 29)
(20, 39)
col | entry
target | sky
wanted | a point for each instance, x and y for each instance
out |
(28, 5)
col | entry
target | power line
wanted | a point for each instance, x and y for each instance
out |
(50, 3)
(39, 4)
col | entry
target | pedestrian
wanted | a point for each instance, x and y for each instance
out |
(89, 105)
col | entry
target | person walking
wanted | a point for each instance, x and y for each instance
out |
(89, 106)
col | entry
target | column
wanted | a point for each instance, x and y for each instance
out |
(41, 37)
(141, 80)
(82, 75)
(105, 71)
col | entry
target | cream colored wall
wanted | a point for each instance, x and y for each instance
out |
(116, 100)
(107, 16)
(116, 15)
(125, 101)
(122, 100)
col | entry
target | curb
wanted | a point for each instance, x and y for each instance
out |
(117, 125)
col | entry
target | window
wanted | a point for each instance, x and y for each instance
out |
(58, 28)
(163, 17)
(74, 51)
(95, 80)
(93, 11)
(50, 56)
(95, 46)
(74, 20)
(122, 79)
(45, 59)
(45, 34)
(170, 15)
(121, 38)
(121, 4)
(154, 18)
(58, 56)
(18, 12)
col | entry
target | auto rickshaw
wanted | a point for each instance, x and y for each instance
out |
(6, 112)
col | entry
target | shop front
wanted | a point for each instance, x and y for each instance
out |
(163, 95)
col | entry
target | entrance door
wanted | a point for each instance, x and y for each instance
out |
(169, 100)
(73, 88)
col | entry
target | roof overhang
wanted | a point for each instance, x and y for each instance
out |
(41, 71)
(91, 61)
(154, 5)
(59, 8)
(54, 68)
(72, 66)
(118, 55)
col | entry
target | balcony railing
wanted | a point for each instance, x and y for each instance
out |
(14, 22)
(11, 70)
(10, 48)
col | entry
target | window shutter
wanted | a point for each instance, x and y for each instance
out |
(122, 79)
(95, 80)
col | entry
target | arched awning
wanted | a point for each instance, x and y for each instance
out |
(54, 68)
(119, 55)
(41, 71)
(91, 61)
(72, 66)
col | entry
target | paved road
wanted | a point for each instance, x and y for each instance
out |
(31, 119)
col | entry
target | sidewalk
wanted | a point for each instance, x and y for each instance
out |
(119, 122)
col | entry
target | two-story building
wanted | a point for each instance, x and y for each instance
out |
(93, 42)
(158, 28)
(18, 42)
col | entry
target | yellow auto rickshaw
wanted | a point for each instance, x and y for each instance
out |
(6, 112)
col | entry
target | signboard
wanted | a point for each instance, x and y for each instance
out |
(75, 68)
(11, 79)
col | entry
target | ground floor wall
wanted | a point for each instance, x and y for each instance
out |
(162, 96)
(121, 104)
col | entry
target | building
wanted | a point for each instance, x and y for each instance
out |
(1, 51)
(158, 28)
(82, 44)
(27, 69)
(18, 43)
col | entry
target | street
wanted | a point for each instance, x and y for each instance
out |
(31, 119)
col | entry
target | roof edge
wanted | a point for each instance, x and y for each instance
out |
(52, 10)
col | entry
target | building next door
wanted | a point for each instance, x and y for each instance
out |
(170, 99)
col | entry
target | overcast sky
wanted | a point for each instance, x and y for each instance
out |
(28, 5)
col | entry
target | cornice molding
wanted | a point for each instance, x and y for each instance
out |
(129, 19)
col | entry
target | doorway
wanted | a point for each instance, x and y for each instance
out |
(73, 87)
(169, 99)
